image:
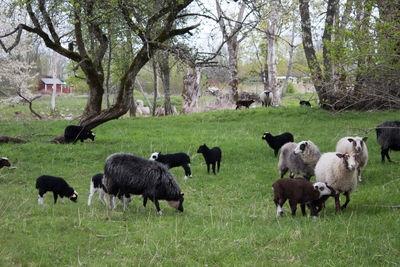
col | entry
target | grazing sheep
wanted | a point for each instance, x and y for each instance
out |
(96, 184)
(73, 133)
(357, 145)
(388, 135)
(340, 172)
(244, 103)
(174, 160)
(266, 98)
(4, 162)
(305, 103)
(276, 142)
(298, 158)
(211, 156)
(58, 186)
(301, 191)
(129, 174)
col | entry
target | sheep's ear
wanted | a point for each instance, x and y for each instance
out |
(365, 139)
(306, 143)
(351, 140)
(340, 155)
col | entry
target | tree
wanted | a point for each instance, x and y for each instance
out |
(151, 24)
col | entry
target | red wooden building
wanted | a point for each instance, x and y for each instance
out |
(46, 86)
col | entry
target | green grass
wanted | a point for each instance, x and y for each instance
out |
(229, 219)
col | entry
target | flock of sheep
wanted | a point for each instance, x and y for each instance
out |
(126, 174)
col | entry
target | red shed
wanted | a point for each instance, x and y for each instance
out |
(46, 86)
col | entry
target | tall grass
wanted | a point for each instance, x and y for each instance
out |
(229, 218)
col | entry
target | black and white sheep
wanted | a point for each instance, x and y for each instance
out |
(4, 162)
(211, 156)
(174, 160)
(298, 158)
(57, 185)
(96, 184)
(129, 174)
(73, 133)
(340, 172)
(388, 135)
(299, 191)
(266, 98)
(357, 145)
(305, 103)
(244, 103)
(276, 142)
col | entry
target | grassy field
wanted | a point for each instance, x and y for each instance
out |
(229, 219)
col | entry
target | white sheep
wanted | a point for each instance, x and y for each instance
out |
(298, 158)
(357, 145)
(338, 171)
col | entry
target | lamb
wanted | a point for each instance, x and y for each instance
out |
(4, 162)
(129, 174)
(276, 142)
(174, 160)
(298, 158)
(356, 145)
(301, 191)
(73, 133)
(211, 156)
(388, 136)
(266, 98)
(339, 171)
(58, 186)
(96, 184)
(244, 103)
(305, 103)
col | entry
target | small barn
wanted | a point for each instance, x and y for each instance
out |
(46, 86)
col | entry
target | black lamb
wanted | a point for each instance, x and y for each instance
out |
(388, 135)
(96, 184)
(57, 185)
(4, 162)
(211, 156)
(244, 103)
(174, 160)
(276, 142)
(129, 174)
(73, 133)
(305, 103)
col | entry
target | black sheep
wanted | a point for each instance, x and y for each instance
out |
(299, 190)
(276, 142)
(305, 103)
(4, 162)
(388, 135)
(211, 156)
(129, 174)
(174, 160)
(244, 103)
(57, 185)
(73, 133)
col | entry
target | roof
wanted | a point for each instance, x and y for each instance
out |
(51, 81)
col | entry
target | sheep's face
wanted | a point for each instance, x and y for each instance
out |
(154, 156)
(74, 197)
(4, 162)
(177, 204)
(349, 160)
(323, 189)
(266, 135)
(201, 149)
(358, 143)
(89, 134)
(301, 148)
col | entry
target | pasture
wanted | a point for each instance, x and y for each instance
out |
(229, 219)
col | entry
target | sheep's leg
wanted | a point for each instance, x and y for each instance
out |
(62, 199)
(218, 164)
(213, 167)
(347, 194)
(113, 205)
(337, 203)
(40, 198)
(55, 197)
(186, 167)
(208, 167)
(293, 207)
(159, 212)
(92, 191)
(123, 203)
(291, 175)
(276, 152)
(144, 202)
(283, 172)
(387, 155)
(313, 210)
(102, 197)
(359, 174)
(303, 209)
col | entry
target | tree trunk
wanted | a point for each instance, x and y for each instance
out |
(54, 74)
(233, 47)
(163, 60)
(155, 77)
(191, 88)
(108, 74)
(290, 63)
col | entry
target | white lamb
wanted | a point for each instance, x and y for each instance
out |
(339, 172)
(356, 145)
(298, 159)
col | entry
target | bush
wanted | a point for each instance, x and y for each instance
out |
(290, 88)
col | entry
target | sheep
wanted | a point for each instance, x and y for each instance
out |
(57, 185)
(96, 184)
(4, 162)
(298, 158)
(339, 171)
(276, 142)
(305, 103)
(356, 145)
(174, 160)
(211, 156)
(129, 174)
(301, 191)
(266, 98)
(388, 136)
(73, 133)
(244, 103)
